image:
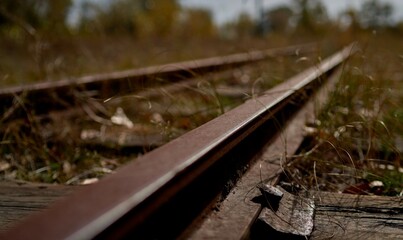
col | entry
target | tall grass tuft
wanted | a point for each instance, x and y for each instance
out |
(356, 142)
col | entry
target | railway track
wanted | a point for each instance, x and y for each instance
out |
(43, 97)
(200, 185)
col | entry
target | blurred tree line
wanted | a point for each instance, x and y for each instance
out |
(162, 18)
(33, 16)
(55, 38)
(49, 39)
(138, 18)
(311, 17)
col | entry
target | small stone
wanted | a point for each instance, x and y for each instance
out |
(4, 166)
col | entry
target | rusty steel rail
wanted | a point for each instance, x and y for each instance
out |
(61, 94)
(161, 193)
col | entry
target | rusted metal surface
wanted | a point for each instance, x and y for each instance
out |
(178, 179)
(61, 94)
(239, 210)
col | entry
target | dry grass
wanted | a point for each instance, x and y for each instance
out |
(86, 143)
(357, 135)
(356, 142)
(54, 59)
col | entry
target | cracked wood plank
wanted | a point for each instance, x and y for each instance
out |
(18, 200)
(347, 216)
(336, 216)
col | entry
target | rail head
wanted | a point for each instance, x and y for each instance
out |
(141, 187)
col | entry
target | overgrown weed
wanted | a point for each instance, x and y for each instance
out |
(55, 149)
(51, 149)
(356, 135)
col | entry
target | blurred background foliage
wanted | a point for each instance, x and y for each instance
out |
(152, 18)
(48, 43)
